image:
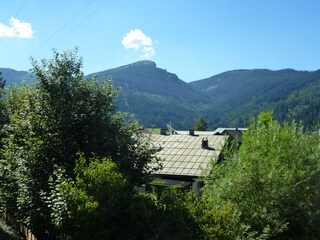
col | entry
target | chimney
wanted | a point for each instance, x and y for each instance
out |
(205, 143)
(191, 132)
(163, 131)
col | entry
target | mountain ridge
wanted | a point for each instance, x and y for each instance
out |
(156, 96)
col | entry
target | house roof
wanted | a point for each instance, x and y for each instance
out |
(221, 130)
(234, 133)
(186, 132)
(183, 155)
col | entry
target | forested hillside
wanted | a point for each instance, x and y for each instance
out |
(235, 96)
(16, 77)
(230, 99)
(154, 95)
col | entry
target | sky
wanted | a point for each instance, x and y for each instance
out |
(194, 39)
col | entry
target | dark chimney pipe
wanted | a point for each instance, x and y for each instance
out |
(205, 143)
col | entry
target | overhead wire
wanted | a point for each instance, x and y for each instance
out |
(64, 26)
(84, 20)
(20, 9)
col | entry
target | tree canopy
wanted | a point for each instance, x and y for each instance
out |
(49, 125)
(200, 124)
(272, 183)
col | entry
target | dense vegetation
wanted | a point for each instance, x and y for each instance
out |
(71, 166)
(64, 148)
(200, 125)
(229, 99)
(236, 96)
(269, 189)
(154, 95)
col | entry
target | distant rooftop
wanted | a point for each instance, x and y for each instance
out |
(184, 155)
(234, 133)
(220, 130)
(186, 132)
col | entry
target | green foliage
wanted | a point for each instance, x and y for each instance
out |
(214, 220)
(265, 118)
(272, 182)
(302, 105)
(25, 165)
(70, 165)
(3, 116)
(94, 200)
(7, 232)
(101, 205)
(48, 125)
(234, 97)
(200, 124)
(2, 81)
(172, 218)
(170, 128)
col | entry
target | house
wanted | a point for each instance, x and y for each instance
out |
(185, 158)
(233, 133)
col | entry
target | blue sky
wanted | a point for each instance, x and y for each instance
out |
(194, 39)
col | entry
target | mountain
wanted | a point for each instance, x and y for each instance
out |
(237, 95)
(15, 77)
(153, 94)
(230, 99)
(145, 76)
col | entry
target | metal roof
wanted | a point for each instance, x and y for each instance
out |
(183, 155)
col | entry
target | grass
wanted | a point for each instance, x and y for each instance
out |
(156, 130)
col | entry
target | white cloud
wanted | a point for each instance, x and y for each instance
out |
(148, 52)
(16, 28)
(137, 40)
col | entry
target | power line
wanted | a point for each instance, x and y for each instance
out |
(63, 26)
(20, 9)
(84, 20)
(58, 31)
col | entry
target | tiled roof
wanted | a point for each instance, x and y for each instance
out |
(183, 154)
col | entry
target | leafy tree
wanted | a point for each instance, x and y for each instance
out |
(95, 199)
(272, 182)
(49, 124)
(25, 166)
(200, 124)
(170, 128)
(2, 81)
(98, 204)
(3, 116)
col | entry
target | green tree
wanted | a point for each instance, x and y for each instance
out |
(49, 124)
(2, 81)
(170, 128)
(3, 116)
(95, 199)
(273, 181)
(200, 124)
